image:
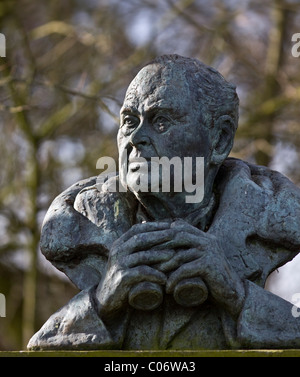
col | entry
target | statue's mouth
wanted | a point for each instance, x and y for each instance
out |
(138, 163)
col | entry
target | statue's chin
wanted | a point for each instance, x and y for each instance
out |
(139, 180)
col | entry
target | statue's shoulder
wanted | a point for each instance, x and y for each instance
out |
(80, 226)
(259, 216)
(260, 190)
(264, 177)
(106, 205)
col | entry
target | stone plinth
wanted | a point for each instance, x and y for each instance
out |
(155, 354)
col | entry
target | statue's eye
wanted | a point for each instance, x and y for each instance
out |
(161, 124)
(130, 122)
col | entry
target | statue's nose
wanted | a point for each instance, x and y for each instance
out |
(139, 137)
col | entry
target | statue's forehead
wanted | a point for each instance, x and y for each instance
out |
(157, 85)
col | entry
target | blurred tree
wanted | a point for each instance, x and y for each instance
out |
(56, 81)
(62, 83)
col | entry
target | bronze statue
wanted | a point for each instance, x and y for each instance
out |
(158, 271)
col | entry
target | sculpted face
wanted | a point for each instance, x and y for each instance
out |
(160, 118)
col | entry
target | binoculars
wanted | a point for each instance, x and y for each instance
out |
(148, 296)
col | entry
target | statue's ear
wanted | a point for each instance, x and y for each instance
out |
(223, 139)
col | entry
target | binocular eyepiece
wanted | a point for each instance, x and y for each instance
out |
(188, 293)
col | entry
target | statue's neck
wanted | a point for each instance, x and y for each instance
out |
(166, 208)
(170, 206)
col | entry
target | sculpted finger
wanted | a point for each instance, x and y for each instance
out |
(143, 273)
(149, 257)
(144, 228)
(180, 257)
(188, 240)
(181, 225)
(147, 240)
(187, 270)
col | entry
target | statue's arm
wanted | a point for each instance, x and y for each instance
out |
(97, 317)
(65, 231)
(266, 321)
(78, 326)
(280, 219)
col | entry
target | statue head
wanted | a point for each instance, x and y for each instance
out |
(178, 106)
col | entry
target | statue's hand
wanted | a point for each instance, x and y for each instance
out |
(200, 255)
(131, 262)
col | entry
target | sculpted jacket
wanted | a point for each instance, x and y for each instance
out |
(256, 219)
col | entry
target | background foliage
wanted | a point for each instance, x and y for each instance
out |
(62, 82)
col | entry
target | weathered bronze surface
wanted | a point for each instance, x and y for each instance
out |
(157, 272)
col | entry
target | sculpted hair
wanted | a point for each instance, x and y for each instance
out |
(209, 87)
